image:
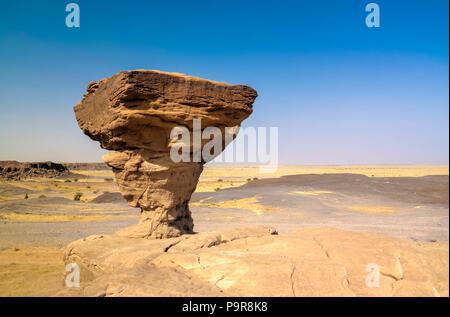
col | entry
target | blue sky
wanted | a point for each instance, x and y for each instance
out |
(340, 92)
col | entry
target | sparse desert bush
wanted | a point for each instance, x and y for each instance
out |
(255, 178)
(108, 179)
(95, 191)
(75, 179)
(26, 196)
(88, 187)
(67, 181)
(42, 196)
(249, 179)
(220, 180)
(77, 196)
(216, 189)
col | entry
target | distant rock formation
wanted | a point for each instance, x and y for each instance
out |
(13, 170)
(86, 166)
(133, 113)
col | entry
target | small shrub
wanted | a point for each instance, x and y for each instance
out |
(67, 181)
(216, 189)
(249, 179)
(255, 178)
(108, 179)
(42, 196)
(77, 196)
(75, 179)
(26, 196)
(220, 180)
(88, 187)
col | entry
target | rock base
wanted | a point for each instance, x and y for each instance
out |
(256, 262)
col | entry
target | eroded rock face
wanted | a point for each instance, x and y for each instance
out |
(133, 113)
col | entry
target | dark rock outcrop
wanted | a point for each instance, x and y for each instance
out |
(13, 170)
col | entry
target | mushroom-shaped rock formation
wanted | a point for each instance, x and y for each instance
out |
(133, 114)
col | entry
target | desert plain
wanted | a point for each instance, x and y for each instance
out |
(331, 224)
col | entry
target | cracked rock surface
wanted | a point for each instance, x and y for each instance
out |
(133, 114)
(255, 262)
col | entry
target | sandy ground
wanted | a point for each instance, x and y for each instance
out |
(395, 201)
(30, 271)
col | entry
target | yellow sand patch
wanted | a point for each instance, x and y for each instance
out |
(311, 192)
(9, 198)
(13, 217)
(373, 209)
(212, 186)
(102, 209)
(31, 271)
(201, 201)
(251, 203)
(100, 173)
(34, 185)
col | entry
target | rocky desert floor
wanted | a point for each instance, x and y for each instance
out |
(332, 222)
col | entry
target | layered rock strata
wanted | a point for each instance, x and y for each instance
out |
(133, 114)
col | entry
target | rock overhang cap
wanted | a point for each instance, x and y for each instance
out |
(140, 99)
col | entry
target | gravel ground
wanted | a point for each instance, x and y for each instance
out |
(419, 209)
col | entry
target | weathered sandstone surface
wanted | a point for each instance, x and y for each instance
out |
(133, 113)
(256, 262)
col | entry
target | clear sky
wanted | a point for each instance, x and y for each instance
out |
(340, 92)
